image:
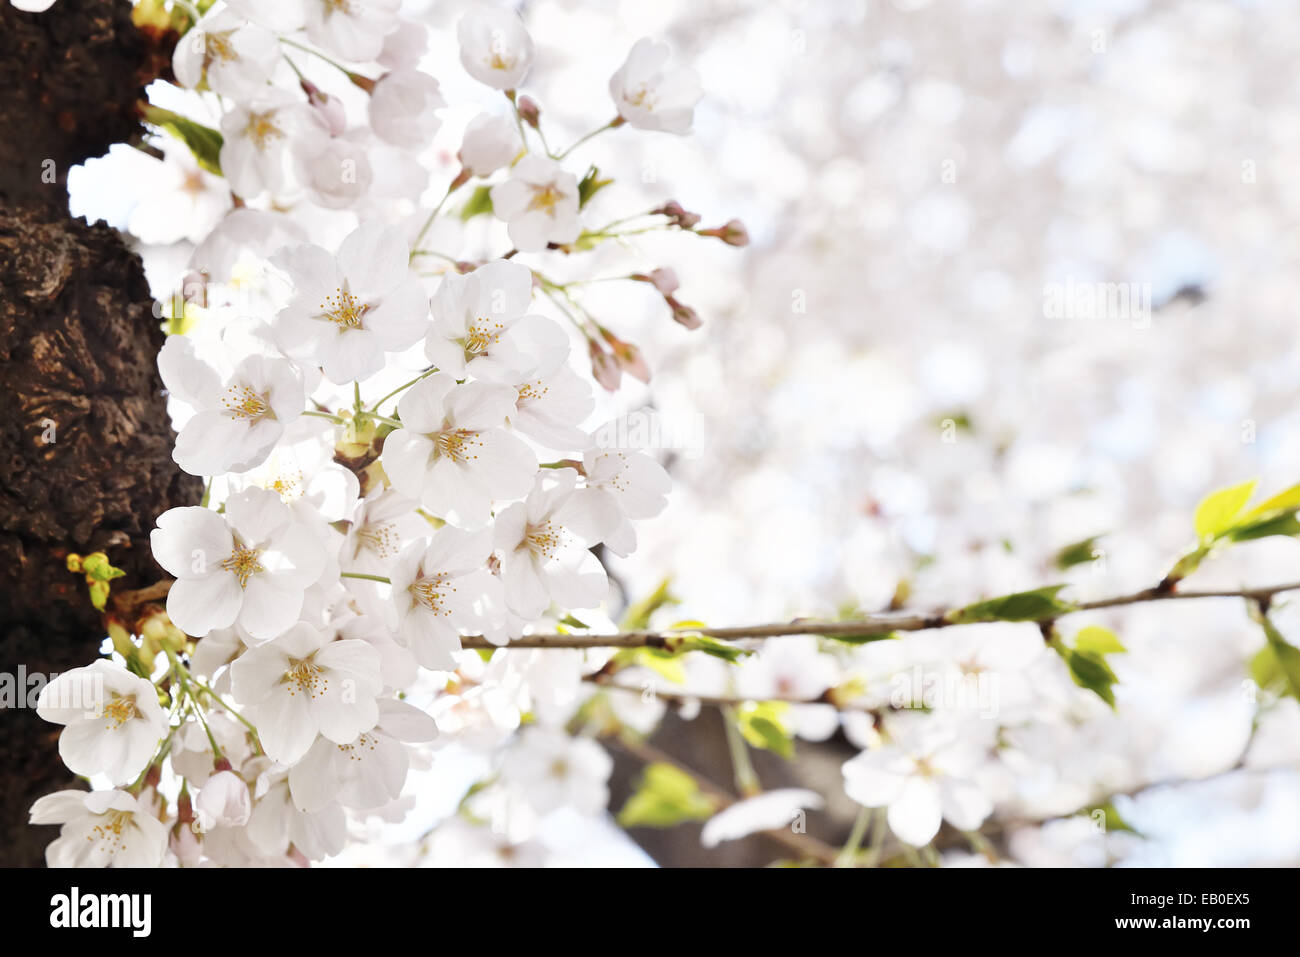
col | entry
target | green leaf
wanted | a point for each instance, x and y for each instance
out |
(1113, 820)
(1217, 510)
(662, 662)
(1287, 500)
(680, 644)
(573, 622)
(1077, 553)
(1284, 524)
(1098, 641)
(1265, 669)
(1086, 660)
(665, 796)
(204, 142)
(1287, 655)
(590, 185)
(479, 202)
(863, 637)
(1037, 605)
(762, 725)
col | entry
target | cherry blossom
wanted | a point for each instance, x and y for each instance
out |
(490, 143)
(539, 203)
(250, 566)
(541, 560)
(267, 140)
(494, 46)
(234, 57)
(101, 829)
(354, 29)
(348, 309)
(555, 769)
(453, 453)
(652, 97)
(112, 720)
(403, 108)
(302, 684)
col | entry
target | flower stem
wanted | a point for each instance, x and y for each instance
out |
(362, 575)
(402, 388)
(848, 856)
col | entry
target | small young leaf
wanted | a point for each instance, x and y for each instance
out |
(762, 725)
(479, 202)
(1037, 605)
(590, 185)
(1077, 553)
(665, 796)
(1217, 510)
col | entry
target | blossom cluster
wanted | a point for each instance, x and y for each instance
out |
(395, 456)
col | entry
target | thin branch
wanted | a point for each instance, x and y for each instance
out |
(726, 701)
(875, 626)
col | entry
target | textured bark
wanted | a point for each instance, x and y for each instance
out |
(85, 443)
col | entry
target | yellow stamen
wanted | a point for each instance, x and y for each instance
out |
(243, 563)
(305, 677)
(241, 402)
(344, 309)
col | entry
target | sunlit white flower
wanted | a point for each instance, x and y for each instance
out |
(553, 769)
(112, 720)
(354, 29)
(923, 778)
(621, 485)
(490, 143)
(302, 684)
(480, 327)
(542, 561)
(453, 454)
(190, 753)
(494, 46)
(439, 590)
(349, 309)
(275, 823)
(266, 139)
(238, 421)
(282, 16)
(33, 6)
(251, 565)
(651, 96)
(365, 773)
(404, 108)
(223, 801)
(551, 408)
(101, 829)
(539, 203)
(235, 57)
(340, 174)
(183, 201)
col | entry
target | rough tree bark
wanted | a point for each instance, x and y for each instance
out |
(86, 461)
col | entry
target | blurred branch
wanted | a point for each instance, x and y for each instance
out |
(869, 627)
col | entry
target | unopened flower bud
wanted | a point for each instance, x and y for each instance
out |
(529, 111)
(683, 313)
(679, 216)
(604, 367)
(733, 233)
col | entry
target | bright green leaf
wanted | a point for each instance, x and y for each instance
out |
(762, 724)
(1077, 553)
(1037, 605)
(1097, 640)
(665, 796)
(479, 202)
(1217, 510)
(590, 185)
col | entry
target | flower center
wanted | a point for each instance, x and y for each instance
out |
(544, 198)
(344, 310)
(642, 98)
(306, 678)
(501, 61)
(432, 593)
(532, 392)
(543, 540)
(366, 742)
(457, 444)
(383, 540)
(217, 46)
(108, 831)
(261, 129)
(243, 563)
(482, 335)
(242, 402)
(288, 485)
(338, 6)
(120, 710)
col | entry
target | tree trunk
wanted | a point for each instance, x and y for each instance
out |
(86, 462)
